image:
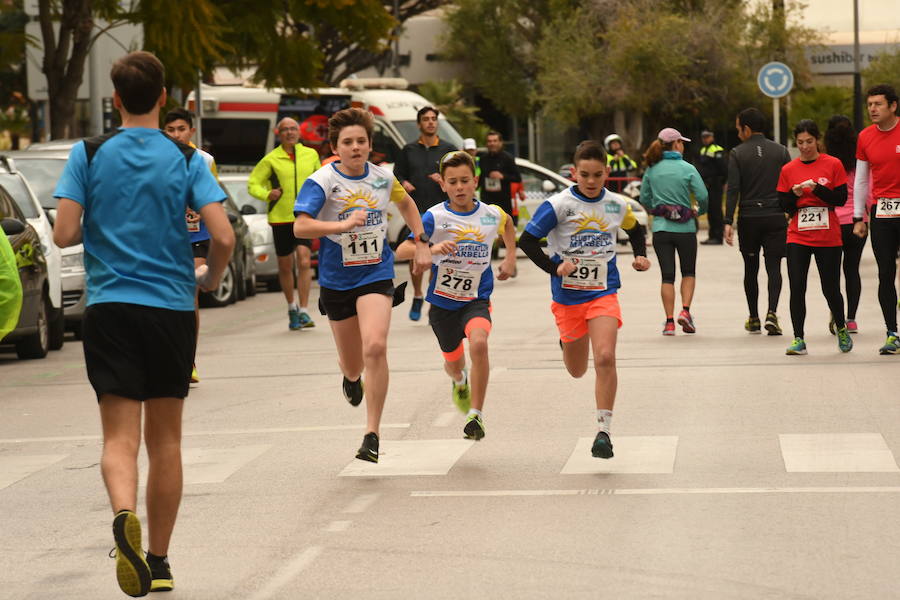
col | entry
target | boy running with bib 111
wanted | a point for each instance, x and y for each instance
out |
(345, 203)
(580, 225)
(462, 232)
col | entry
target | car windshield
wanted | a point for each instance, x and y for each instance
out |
(42, 175)
(410, 132)
(16, 188)
(238, 190)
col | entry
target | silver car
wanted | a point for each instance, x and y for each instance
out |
(255, 213)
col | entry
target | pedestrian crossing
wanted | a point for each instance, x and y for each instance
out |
(636, 455)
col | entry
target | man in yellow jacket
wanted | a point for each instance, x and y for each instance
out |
(277, 179)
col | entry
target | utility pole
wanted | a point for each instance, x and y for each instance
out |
(396, 60)
(780, 55)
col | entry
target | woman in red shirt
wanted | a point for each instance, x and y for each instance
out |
(810, 187)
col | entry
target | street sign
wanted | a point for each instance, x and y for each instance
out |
(775, 80)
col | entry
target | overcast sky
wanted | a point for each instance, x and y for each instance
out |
(837, 15)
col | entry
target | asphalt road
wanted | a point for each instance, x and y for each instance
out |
(739, 472)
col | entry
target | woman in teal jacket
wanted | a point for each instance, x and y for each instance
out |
(669, 190)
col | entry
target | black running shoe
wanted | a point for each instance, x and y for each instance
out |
(161, 574)
(353, 391)
(369, 449)
(132, 571)
(602, 447)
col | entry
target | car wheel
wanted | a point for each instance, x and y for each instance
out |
(251, 280)
(240, 284)
(225, 293)
(57, 328)
(37, 344)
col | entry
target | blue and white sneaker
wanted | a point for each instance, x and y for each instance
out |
(415, 311)
(294, 319)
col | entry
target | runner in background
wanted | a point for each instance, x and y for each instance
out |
(878, 161)
(809, 189)
(179, 125)
(580, 224)
(840, 142)
(462, 232)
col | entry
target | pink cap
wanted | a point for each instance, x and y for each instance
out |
(669, 135)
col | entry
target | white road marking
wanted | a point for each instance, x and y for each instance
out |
(836, 453)
(210, 465)
(659, 492)
(361, 503)
(337, 526)
(633, 454)
(445, 419)
(16, 468)
(287, 573)
(313, 428)
(416, 457)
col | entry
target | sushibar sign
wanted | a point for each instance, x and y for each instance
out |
(838, 60)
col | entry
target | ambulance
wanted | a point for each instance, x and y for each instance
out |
(239, 120)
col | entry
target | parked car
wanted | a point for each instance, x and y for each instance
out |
(42, 169)
(32, 333)
(239, 278)
(17, 187)
(254, 212)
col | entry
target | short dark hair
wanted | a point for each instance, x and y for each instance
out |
(840, 141)
(348, 118)
(752, 118)
(493, 132)
(589, 150)
(456, 158)
(179, 114)
(807, 126)
(883, 89)
(139, 79)
(424, 111)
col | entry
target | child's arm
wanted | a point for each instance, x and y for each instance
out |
(307, 227)
(508, 266)
(410, 214)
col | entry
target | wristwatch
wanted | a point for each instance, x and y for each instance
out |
(423, 237)
(857, 220)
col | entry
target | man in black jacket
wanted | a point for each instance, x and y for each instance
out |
(417, 171)
(498, 171)
(753, 170)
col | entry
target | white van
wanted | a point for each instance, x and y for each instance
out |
(239, 120)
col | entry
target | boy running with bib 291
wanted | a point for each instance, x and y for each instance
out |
(580, 225)
(462, 232)
(345, 203)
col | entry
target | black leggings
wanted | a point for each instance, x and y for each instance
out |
(853, 249)
(667, 244)
(885, 243)
(828, 261)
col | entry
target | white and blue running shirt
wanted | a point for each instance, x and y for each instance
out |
(362, 256)
(466, 275)
(583, 230)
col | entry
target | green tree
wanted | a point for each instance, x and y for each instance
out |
(820, 104)
(885, 68)
(447, 97)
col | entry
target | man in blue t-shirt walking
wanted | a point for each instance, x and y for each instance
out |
(132, 187)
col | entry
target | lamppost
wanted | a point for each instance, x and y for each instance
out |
(857, 78)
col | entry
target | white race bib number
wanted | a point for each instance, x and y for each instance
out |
(493, 185)
(457, 284)
(812, 218)
(888, 208)
(361, 248)
(193, 227)
(589, 274)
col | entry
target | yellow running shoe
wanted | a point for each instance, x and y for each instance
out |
(195, 377)
(132, 570)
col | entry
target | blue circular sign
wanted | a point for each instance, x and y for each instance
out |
(775, 80)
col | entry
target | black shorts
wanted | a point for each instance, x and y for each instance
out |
(200, 249)
(667, 244)
(139, 352)
(338, 305)
(768, 233)
(285, 242)
(449, 326)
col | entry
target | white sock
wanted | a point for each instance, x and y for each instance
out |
(474, 411)
(303, 309)
(604, 420)
(293, 306)
(462, 380)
